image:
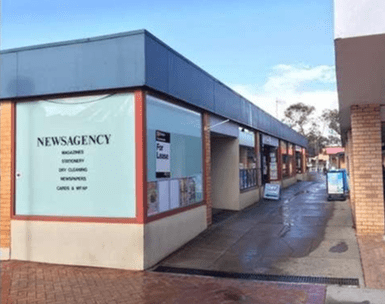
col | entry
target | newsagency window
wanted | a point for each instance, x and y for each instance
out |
(174, 156)
(76, 157)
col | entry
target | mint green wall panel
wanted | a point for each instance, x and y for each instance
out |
(76, 157)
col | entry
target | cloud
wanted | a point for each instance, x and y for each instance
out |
(291, 84)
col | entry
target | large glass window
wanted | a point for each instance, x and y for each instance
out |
(76, 157)
(174, 156)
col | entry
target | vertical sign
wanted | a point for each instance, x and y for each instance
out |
(335, 183)
(162, 154)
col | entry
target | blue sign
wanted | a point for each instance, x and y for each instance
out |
(272, 191)
(335, 182)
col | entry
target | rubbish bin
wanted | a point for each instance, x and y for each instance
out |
(337, 184)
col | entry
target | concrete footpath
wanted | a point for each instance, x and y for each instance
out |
(303, 234)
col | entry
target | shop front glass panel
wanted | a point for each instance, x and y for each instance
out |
(174, 156)
(76, 157)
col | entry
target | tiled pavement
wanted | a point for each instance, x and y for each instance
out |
(372, 249)
(28, 282)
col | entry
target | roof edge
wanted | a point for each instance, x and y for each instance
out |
(74, 41)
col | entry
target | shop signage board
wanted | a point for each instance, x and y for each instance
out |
(298, 148)
(246, 138)
(162, 154)
(272, 191)
(269, 140)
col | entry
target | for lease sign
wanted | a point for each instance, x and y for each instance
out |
(162, 154)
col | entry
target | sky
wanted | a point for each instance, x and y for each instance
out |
(271, 52)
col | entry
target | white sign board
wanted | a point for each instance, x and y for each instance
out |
(335, 183)
(272, 191)
(246, 138)
(269, 140)
(162, 154)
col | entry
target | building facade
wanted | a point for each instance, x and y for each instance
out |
(115, 150)
(360, 61)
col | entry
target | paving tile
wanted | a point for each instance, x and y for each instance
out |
(372, 249)
(343, 249)
(345, 233)
(307, 266)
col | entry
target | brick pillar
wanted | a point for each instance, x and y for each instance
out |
(207, 166)
(6, 182)
(367, 164)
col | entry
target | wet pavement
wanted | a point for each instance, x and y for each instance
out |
(303, 234)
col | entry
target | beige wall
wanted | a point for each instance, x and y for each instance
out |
(303, 176)
(4, 254)
(89, 244)
(164, 236)
(287, 182)
(225, 173)
(248, 198)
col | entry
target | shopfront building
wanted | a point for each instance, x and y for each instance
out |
(360, 49)
(117, 159)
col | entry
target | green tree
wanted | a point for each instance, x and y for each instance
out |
(299, 117)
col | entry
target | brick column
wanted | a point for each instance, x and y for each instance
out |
(6, 182)
(367, 164)
(207, 166)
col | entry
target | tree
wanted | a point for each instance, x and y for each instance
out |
(302, 118)
(299, 116)
(331, 118)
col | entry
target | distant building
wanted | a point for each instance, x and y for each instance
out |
(328, 158)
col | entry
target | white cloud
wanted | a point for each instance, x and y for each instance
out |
(292, 84)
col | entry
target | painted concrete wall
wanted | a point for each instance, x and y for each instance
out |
(287, 182)
(354, 18)
(225, 173)
(248, 198)
(89, 244)
(162, 237)
(4, 254)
